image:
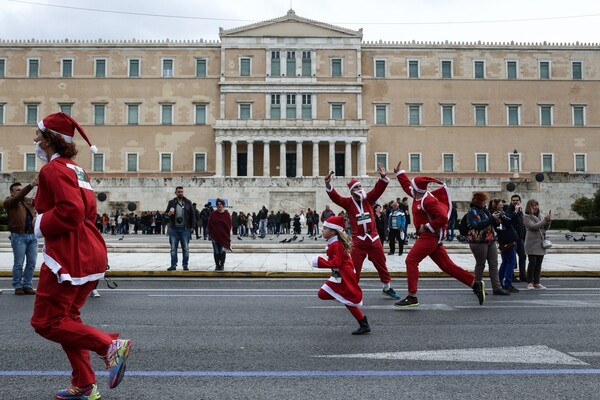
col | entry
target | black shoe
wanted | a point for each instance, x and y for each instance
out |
(501, 292)
(171, 268)
(219, 268)
(512, 289)
(363, 327)
(391, 253)
(186, 269)
(479, 290)
(408, 301)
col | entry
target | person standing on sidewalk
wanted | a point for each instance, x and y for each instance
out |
(397, 224)
(22, 238)
(515, 208)
(365, 239)
(219, 229)
(536, 226)
(74, 260)
(182, 221)
(430, 212)
(343, 284)
(482, 240)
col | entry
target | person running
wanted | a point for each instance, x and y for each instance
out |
(74, 260)
(365, 239)
(430, 212)
(342, 285)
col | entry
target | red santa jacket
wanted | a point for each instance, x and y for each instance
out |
(432, 210)
(347, 291)
(74, 249)
(360, 213)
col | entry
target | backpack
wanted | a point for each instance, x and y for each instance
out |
(463, 227)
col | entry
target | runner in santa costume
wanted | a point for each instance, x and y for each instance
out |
(74, 259)
(342, 285)
(430, 216)
(365, 239)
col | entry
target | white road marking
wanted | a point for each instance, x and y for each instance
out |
(509, 355)
(585, 353)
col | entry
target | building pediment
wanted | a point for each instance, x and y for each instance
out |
(290, 25)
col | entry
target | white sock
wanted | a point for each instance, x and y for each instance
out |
(387, 286)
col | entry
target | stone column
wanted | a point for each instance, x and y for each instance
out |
(282, 159)
(348, 166)
(250, 158)
(299, 161)
(362, 159)
(315, 158)
(233, 158)
(331, 156)
(219, 159)
(266, 159)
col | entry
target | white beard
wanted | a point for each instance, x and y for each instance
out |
(362, 194)
(40, 153)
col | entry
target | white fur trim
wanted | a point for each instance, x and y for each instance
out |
(93, 149)
(338, 297)
(332, 226)
(400, 172)
(415, 188)
(315, 262)
(355, 185)
(36, 229)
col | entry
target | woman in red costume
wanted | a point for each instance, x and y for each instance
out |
(74, 259)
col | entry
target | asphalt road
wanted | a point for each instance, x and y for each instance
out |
(274, 339)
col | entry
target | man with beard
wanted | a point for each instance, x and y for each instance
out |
(365, 239)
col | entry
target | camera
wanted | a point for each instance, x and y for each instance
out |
(180, 220)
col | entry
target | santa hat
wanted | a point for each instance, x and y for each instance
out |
(353, 183)
(65, 126)
(420, 183)
(336, 223)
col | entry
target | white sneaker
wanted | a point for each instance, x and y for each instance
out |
(539, 286)
(530, 286)
(95, 293)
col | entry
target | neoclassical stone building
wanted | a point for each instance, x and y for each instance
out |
(261, 115)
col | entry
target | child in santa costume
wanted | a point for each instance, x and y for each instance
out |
(343, 284)
(430, 212)
(74, 259)
(365, 239)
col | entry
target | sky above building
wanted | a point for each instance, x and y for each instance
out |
(522, 21)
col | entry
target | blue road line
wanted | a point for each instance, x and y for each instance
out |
(323, 373)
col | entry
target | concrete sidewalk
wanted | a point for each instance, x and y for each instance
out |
(137, 255)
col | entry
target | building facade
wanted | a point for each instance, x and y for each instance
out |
(261, 114)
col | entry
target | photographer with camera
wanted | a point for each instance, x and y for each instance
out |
(482, 241)
(507, 242)
(182, 220)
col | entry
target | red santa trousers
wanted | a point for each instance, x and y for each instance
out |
(427, 245)
(374, 250)
(56, 317)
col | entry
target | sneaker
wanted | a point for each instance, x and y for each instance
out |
(501, 292)
(171, 268)
(530, 286)
(479, 290)
(186, 269)
(539, 286)
(95, 293)
(408, 301)
(391, 293)
(115, 359)
(512, 289)
(89, 392)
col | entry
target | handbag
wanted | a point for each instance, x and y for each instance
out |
(546, 244)
(505, 247)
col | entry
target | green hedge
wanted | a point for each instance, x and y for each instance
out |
(3, 228)
(576, 225)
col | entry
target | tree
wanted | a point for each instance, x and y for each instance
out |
(587, 208)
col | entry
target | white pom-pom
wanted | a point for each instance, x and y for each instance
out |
(93, 149)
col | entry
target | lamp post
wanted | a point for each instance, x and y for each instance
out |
(515, 166)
